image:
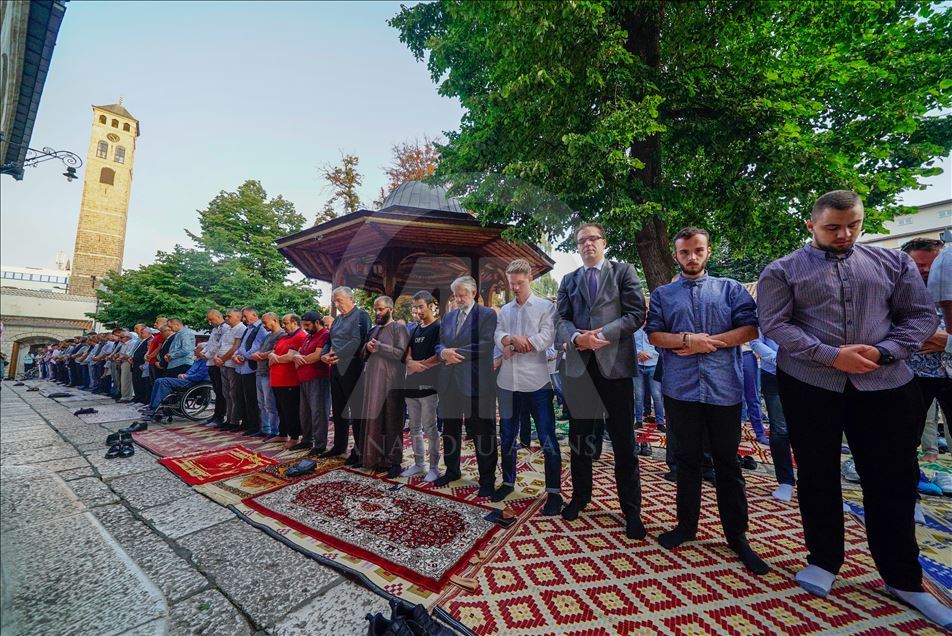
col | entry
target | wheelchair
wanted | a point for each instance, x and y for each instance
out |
(193, 403)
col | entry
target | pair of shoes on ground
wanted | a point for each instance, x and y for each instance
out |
(135, 427)
(405, 620)
(121, 450)
(118, 438)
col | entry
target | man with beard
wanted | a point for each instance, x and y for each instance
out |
(845, 316)
(348, 334)
(600, 307)
(699, 322)
(381, 442)
(314, 377)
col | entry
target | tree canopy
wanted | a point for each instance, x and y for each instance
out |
(734, 115)
(343, 181)
(234, 263)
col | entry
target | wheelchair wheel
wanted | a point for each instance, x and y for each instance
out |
(195, 401)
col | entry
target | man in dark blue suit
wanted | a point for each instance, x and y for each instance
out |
(467, 384)
(600, 307)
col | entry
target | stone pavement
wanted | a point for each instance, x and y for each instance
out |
(98, 546)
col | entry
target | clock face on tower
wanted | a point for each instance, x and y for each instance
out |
(113, 137)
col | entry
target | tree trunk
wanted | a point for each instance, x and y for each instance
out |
(643, 24)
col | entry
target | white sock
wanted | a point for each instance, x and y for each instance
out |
(784, 492)
(928, 605)
(815, 580)
(918, 516)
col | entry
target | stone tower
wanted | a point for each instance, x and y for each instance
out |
(107, 183)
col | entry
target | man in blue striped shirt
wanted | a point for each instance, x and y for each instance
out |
(699, 322)
(845, 316)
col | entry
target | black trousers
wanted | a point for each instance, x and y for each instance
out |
(881, 428)
(140, 386)
(692, 423)
(934, 389)
(457, 411)
(249, 397)
(346, 405)
(591, 400)
(288, 401)
(214, 373)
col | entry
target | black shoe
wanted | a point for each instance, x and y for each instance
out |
(501, 493)
(118, 438)
(487, 490)
(113, 451)
(644, 449)
(417, 616)
(255, 434)
(747, 462)
(213, 421)
(553, 505)
(301, 446)
(135, 428)
(352, 460)
(671, 475)
(394, 471)
(334, 452)
(318, 452)
(126, 450)
(571, 511)
(638, 425)
(662, 428)
(708, 476)
(444, 480)
(634, 529)
(229, 428)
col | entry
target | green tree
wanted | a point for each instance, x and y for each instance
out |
(343, 181)
(235, 262)
(734, 115)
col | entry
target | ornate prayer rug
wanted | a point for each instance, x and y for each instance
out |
(231, 491)
(190, 438)
(201, 468)
(421, 536)
(586, 577)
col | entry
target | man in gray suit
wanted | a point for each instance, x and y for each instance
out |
(600, 307)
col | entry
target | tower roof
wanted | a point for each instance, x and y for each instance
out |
(116, 109)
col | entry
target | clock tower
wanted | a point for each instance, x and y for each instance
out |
(107, 184)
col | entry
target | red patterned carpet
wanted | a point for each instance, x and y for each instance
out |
(208, 466)
(422, 536)
(191, 438)
(585, 577)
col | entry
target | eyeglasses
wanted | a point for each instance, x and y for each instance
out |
(588, 239)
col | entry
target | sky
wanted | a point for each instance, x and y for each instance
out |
(226, 92)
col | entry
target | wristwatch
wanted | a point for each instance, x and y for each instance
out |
(884, 356)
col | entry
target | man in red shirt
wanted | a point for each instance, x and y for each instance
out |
(284, 378)
(314, 377)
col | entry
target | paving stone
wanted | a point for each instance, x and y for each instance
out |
(342, 609)
(59, 465)
(76, 473)
(93, 492)
(112, 468)
(152, 488)
(186, 515)
(51, 570)
(207, 614)
(31, 495)
(152, 628)
(175, 576)
(39, 434)
(38, 455)
(261, 575)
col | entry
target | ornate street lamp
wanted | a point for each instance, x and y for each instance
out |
(34, 157)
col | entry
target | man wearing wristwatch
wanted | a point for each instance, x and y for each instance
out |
(843, 314)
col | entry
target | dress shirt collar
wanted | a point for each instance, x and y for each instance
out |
(528, 302)
(816, 252)
(599, 265)
(694, 282)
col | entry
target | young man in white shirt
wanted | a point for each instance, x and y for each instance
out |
(524, 331)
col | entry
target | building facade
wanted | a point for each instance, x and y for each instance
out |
(930, 222)
(107, 185)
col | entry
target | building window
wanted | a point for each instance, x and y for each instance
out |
(17, 276)
(120, 154)
(115, 123)
(44, 279)
(107, 176)
(102, 119)
(944, 214)
(126, 127)
(904, 220)
(102, 149)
